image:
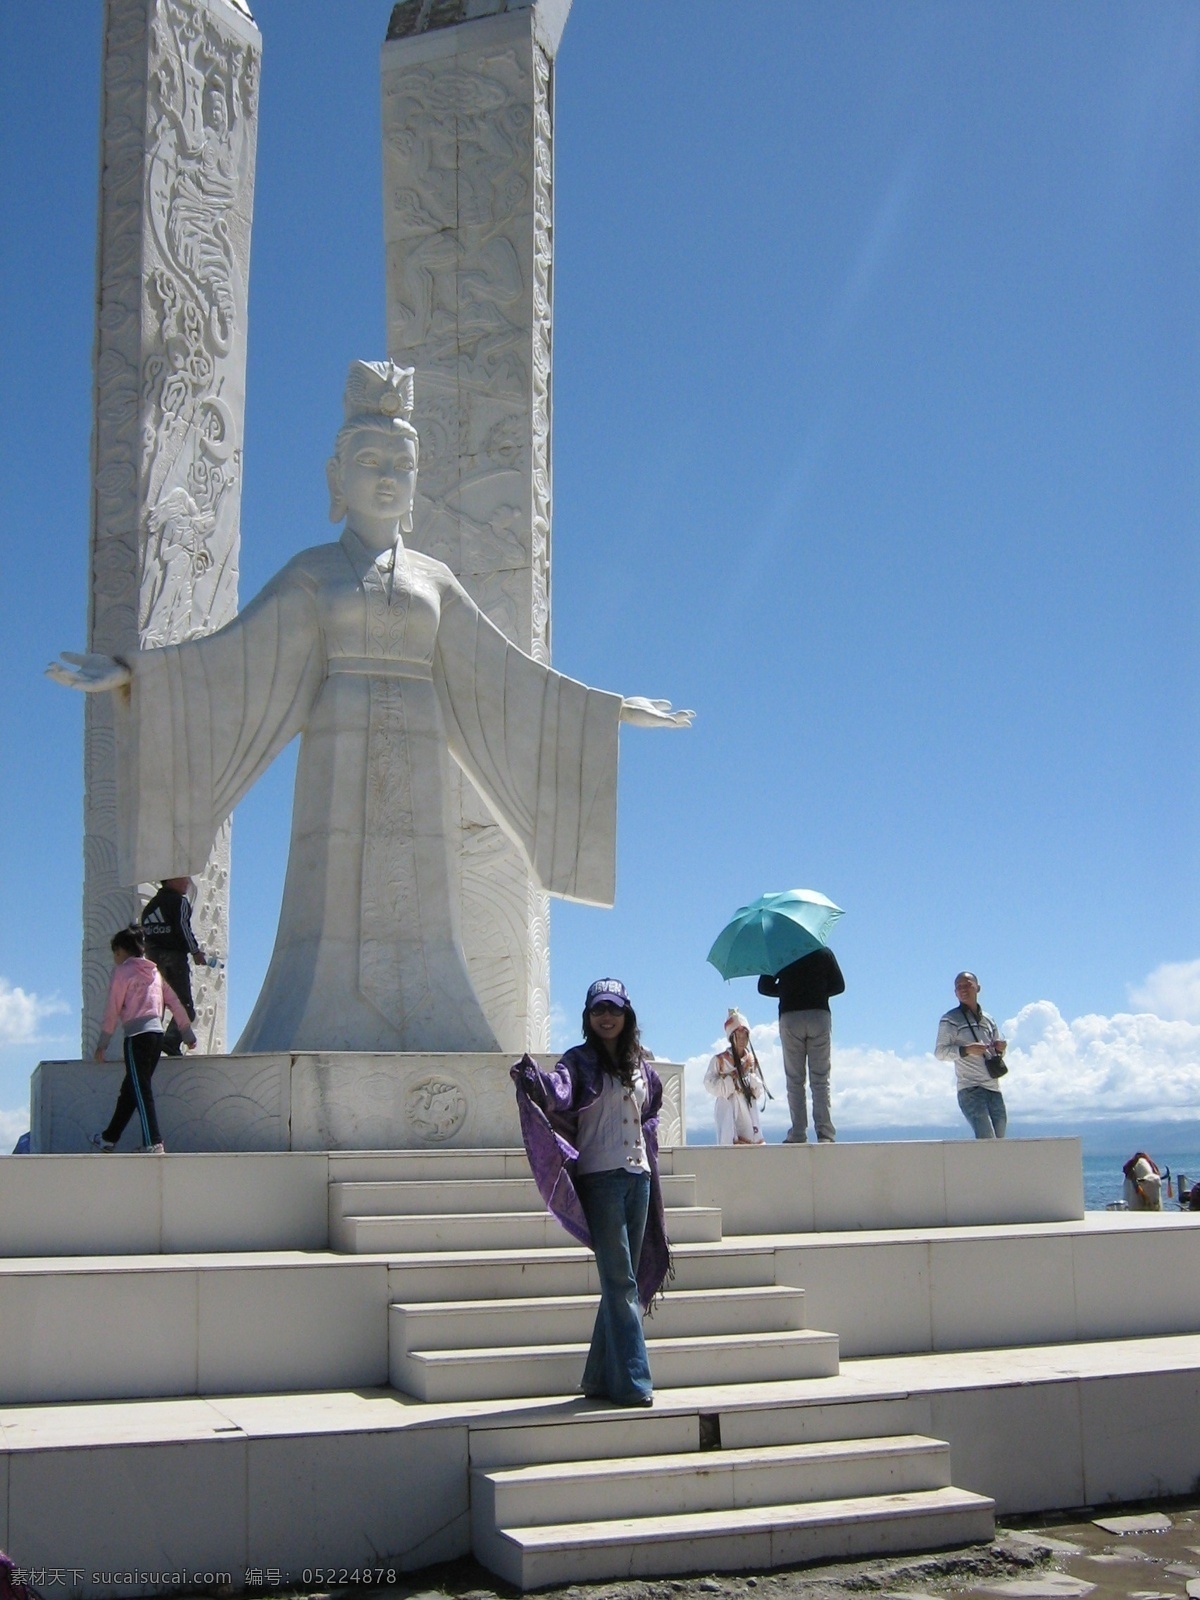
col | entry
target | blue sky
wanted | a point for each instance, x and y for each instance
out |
(876, 428)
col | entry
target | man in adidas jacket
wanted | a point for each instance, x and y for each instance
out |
(170, 942)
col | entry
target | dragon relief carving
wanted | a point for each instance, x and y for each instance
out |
(178, 136)
(202, 92)
(436, 1108)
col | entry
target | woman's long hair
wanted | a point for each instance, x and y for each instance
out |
(739, 1062)
(628, 1047)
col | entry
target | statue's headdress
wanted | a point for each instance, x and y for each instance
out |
(378, 394)
(378, 389)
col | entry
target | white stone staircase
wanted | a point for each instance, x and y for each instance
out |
(499, 1304)
(722, 1510)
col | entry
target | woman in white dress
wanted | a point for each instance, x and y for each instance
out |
(734, 1078)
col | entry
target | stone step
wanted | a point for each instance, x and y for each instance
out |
(517, 1435)
(555, 1369)
(385, 1166)
(97, 1328)
(568, 1269)
(711, 1480)
(408, 1197)
(737, 1538)
(564, 1319)
(496, 1230)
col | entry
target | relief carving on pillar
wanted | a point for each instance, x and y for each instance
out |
(180, 101)
(457, 140)
(202, 95)
(543, 259)
(469, 218)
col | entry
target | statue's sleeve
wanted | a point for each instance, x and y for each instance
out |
(202, 720)
(541, 748)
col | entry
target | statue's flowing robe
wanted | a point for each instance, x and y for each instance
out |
(385, 666)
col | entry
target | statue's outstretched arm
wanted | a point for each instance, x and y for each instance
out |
(91, 673)
(643, 713)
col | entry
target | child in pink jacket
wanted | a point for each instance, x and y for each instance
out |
(136, 996)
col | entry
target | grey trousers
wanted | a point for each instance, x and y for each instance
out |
(805, 1037)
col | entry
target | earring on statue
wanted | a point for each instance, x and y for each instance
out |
(406, 521)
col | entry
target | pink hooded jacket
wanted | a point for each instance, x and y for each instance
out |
(137, 993)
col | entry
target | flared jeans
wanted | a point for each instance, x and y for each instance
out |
(616, 1205)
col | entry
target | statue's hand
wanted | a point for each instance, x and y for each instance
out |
(654, 714)
(91, 673)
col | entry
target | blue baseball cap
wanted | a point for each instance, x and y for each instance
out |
(610, 989)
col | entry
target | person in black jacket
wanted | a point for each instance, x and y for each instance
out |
(803, 990)
(171, 945)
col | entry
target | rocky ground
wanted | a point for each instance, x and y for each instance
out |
(1150, 1553)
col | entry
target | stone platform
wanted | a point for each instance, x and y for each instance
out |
(313, 1360)
(306, 1100)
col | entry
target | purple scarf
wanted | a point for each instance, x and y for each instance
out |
(549, 1104)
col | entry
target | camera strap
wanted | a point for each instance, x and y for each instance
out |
(975, 1033)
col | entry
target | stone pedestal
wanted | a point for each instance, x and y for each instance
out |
(307, 1101)
(179, 103)
(468, 224)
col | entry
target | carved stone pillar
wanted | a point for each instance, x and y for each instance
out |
(178, 128)
(468, 227)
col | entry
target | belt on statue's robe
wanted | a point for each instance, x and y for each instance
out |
(380, 667)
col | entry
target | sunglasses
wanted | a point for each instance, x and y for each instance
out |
(605, 1008)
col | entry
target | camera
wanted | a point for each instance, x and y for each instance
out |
(995, 1065)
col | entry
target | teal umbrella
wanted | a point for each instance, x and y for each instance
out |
(775, 930)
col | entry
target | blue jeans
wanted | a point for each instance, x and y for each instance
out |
(984, 1110)
(615, 1204)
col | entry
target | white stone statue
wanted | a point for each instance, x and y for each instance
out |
(384, 664)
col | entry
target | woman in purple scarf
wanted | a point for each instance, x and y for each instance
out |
(591, 1133)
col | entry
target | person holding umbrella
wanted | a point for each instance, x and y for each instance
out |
(804, 989)
(783, 938)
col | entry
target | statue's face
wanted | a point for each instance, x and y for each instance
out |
(214, 105)
(379, 473)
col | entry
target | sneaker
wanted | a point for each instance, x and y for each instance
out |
(153, 1150)
(99, 1142)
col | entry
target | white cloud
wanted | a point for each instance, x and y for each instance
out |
(20, 1014)
(1095, 1066)
(12, 1125)
(1145, 1066)
(1172, 992)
